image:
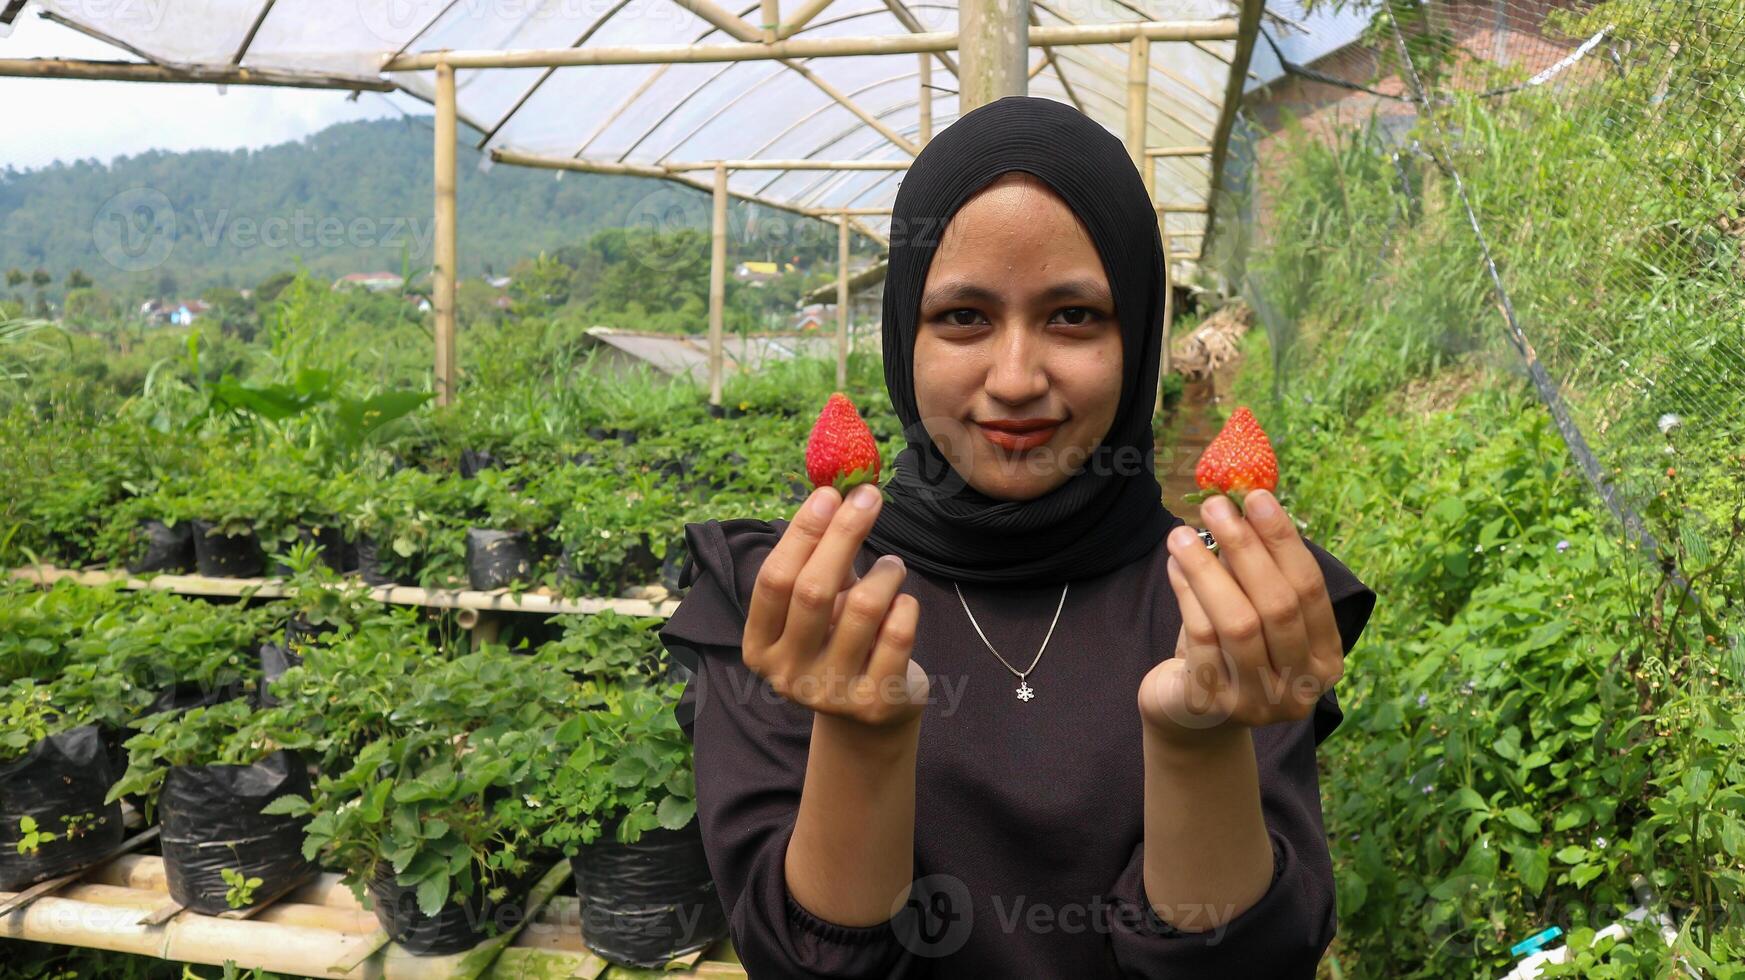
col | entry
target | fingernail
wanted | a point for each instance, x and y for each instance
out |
(1183, 537)
(894, 561)
(1219, 507)
(824, 503)
(1261, 504)
(865, 496)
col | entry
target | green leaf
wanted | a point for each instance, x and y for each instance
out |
(1521, 820)
(433, 894)
(675, 813)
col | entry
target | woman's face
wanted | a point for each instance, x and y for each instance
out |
(1017, 349)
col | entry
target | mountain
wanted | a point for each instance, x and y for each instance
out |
(355, 197)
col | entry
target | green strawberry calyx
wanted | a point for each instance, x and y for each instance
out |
(1201, 496)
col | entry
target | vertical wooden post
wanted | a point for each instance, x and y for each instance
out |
(842, 299)
(993, 51)
(926, 96)
(771, 20)
(1138, 92)
(717, 280)
(444, 269)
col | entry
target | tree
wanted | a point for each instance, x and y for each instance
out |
(77, 279)
(41, 278)
(15, 277)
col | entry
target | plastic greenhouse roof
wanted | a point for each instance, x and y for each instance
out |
(695, 112)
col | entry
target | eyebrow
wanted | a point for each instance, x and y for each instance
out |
(969, 292)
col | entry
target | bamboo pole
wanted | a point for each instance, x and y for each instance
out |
(1178, 151)
(911, 23)
(802, 17)
(1138, 89)
(993, 51)
(134, 71)
(788, 165)
(842, 300)
(1182, 208)
(772, 20)
(1060, 35)
(443, 273)
(925, 97)
(717, 281)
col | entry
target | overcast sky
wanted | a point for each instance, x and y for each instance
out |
(60, 119)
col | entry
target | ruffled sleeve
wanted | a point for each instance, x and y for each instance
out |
(1284, 934)
(751, 747)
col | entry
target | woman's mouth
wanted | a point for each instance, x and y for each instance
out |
(1017, 435)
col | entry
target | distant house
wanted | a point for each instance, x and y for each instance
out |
(375, 282)
(498, 282)
(813, 317)
(758, 273)
(178, 313)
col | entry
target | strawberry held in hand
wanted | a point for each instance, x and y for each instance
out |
(1239, 459)
(841, 451)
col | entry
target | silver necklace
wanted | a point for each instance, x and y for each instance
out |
(1025, 692)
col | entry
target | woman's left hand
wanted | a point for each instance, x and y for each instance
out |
(1258, 642)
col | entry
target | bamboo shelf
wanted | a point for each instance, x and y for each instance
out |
(318, 930)
(497, 601)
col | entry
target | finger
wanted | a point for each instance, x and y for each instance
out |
(819, 582)
(1300, 569)
(863, 612)
(1204, 667)
(1240, 636)
(891, 655)
(774, 588)
(1250, 562)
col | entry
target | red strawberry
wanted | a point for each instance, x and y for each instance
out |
(1239, 459)
(841, 451)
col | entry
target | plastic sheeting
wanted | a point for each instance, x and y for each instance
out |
(653, 114)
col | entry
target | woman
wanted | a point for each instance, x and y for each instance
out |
(892, 778)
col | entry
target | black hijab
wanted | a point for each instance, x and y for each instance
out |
(1111, 511)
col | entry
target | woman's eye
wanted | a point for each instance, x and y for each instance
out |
(1077, 316)
(962, 318)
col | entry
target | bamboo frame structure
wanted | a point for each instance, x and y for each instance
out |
(136, 71)
(444, 270)
(717, 279)
(842, 300)
(1223, 29)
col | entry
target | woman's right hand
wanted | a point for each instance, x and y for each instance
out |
(824, 638)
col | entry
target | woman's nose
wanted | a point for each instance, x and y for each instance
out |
(1015, 373)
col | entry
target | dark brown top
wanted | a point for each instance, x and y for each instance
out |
(1029, 825)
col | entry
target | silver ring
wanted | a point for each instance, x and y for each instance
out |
(1211, 542)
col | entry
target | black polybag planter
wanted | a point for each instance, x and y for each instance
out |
(645, 903)
(474, 460)
(64, 775)
(458, 926)
(226, 556)
(212, 820)
(329, 542)
(275, 660)
(300, 632)
(496, 559)
(369, 563)
(168, 547)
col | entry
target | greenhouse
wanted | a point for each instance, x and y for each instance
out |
(381, 504)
